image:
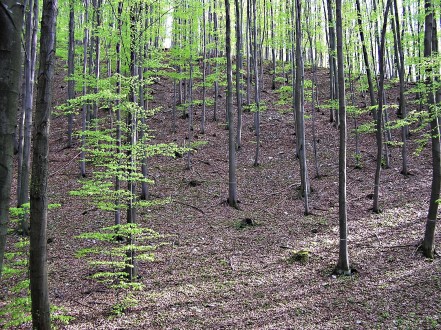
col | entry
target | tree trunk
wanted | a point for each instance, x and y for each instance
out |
(343, 265)
(365, 54)
(204, 68)
(40, 159)
(333, 115)
(402, 102)
(11, 22)
(256, 87)
(85, 106)
(379, 115)
(238, 9)
(232, 179)
(71, 68)
(299, 110)
(428, 245)
(29, 76)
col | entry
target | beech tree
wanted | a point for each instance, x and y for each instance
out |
(343, 265)
(379, 114)
(232, 166)
(11, 22)
(433, 97)
(40, 160)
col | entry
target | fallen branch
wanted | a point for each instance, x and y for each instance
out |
(56, 172)
(188, 205)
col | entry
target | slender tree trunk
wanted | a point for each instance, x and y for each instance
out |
(71, 69)
(343, 265)
(333, 115)
(402, 102)
(256, 87)
(216, 65)
(379, 123)
(238, 9)
(273, 46)
(299, 109)
(97, 41)
(85, 108)
(11, 22)
(204, 68)
(365, 54)
(428, 245)
(118, 111)
(132, 137)
(29, 75)
(40, 172)
(248, 42)
(232, 163)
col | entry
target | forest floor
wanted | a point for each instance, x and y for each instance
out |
(215, 272)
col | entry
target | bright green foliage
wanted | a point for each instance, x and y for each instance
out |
(108, 257)
(17, 310)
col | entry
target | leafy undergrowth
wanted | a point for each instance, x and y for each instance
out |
(232, 269)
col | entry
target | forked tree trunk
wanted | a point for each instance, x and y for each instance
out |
(11, 22)
(40, 162)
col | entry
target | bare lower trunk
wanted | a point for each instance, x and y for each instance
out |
(343, 265)
(428, 245)
(40, 173)
(11, 21)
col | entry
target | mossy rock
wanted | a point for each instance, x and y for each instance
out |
(301, 256)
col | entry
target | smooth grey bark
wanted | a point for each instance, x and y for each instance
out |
(85, 107)
(402, 102)
(204, 69)
(216, 65)
(333, 115)
(40, 171)
(96, 41)
(313, 94)
(256, 87)
(273, 46)
(143, 103)
(379, 115)
(11, 22)
(132, 267)
(343, 265)
(365, 54)
(232, 162)
(28, 100)
(299, 109)
(118, 110)
(428, 245)
(71, 69)
(239, 56)
(248, 49)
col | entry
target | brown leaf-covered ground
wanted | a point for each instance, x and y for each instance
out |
(214, 274)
